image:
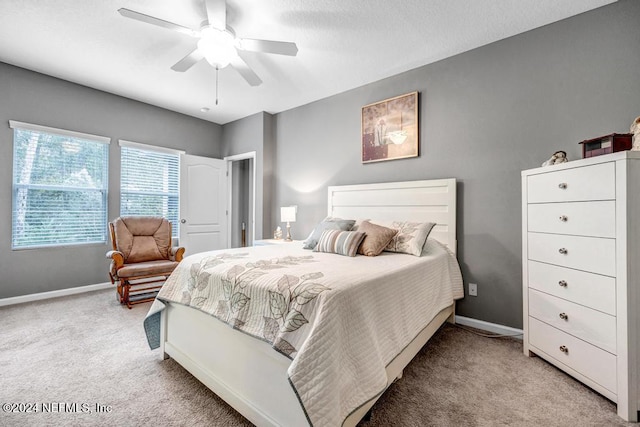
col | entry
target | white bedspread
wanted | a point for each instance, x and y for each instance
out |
(341, 320)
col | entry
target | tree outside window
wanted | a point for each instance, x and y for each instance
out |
(59, 189)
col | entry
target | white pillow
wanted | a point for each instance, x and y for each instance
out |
(411, 236)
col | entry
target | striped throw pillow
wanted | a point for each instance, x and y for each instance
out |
(339, 242)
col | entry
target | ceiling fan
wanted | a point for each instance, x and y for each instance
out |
(217, 42)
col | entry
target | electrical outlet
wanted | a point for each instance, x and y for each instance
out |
(473, 289)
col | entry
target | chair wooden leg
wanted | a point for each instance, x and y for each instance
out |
(142, 291)
(119, 291)
(127, 287)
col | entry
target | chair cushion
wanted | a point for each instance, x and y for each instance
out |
(146, 269)
(142, 239)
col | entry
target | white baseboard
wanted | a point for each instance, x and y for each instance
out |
(488, 326)
(54, 294)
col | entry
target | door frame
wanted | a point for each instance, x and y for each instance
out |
(251, 155)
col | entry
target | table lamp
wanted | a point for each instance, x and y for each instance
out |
(288, 214)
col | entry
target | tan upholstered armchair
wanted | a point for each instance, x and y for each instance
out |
(142, 253)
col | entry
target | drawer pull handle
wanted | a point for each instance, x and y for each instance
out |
(563, 251)
(564, 349)
(564, 316)
(563, 218)
(562, 186)
(562, 283)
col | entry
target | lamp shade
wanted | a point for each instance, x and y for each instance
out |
(218, 47)
(288, 213)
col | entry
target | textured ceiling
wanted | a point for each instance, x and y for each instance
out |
(342, 44)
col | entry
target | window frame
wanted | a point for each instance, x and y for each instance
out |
(162, 150)
(17, 125)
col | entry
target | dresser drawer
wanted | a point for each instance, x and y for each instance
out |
(589, 325)
(596, 219)
(588, 360)
(592, 254)
(588, 289)
(596, 182)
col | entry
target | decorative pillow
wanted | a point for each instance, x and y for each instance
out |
(339, 242)
(410, 238)
(327, 224)
(376, 239)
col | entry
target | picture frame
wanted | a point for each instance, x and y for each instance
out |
(390, 129)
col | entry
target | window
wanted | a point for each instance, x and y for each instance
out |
(59, 187)
(149, 182)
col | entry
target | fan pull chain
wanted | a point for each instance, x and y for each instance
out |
(217, 85)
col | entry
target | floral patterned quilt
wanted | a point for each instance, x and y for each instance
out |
(337, 318)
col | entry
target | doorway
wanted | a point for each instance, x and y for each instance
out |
(242, 198)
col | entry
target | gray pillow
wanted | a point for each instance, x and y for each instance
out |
(327, 224)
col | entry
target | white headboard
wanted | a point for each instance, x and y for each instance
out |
(420, 201)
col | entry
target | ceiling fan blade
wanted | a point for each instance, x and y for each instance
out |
(127, 13)
(217, 14)
(268, 46)
(245, 71)
(188, 61)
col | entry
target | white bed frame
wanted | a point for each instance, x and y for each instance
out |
(247, 373)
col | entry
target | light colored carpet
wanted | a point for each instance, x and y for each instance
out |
(87, 349)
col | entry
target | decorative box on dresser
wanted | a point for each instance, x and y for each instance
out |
(581, 272)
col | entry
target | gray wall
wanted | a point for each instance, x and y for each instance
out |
(485, 115)
(35, 98)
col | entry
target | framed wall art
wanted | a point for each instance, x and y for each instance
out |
(390, 129)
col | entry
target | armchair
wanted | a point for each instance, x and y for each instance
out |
(142, 255)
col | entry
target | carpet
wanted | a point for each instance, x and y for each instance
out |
(84, 360)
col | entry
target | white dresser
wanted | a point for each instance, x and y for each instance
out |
(581, 272)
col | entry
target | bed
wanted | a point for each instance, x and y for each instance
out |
(350, 326)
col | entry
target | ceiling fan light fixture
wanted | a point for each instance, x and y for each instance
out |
(218, 47)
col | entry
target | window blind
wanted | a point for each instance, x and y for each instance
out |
(59, 187)
(149, 184)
